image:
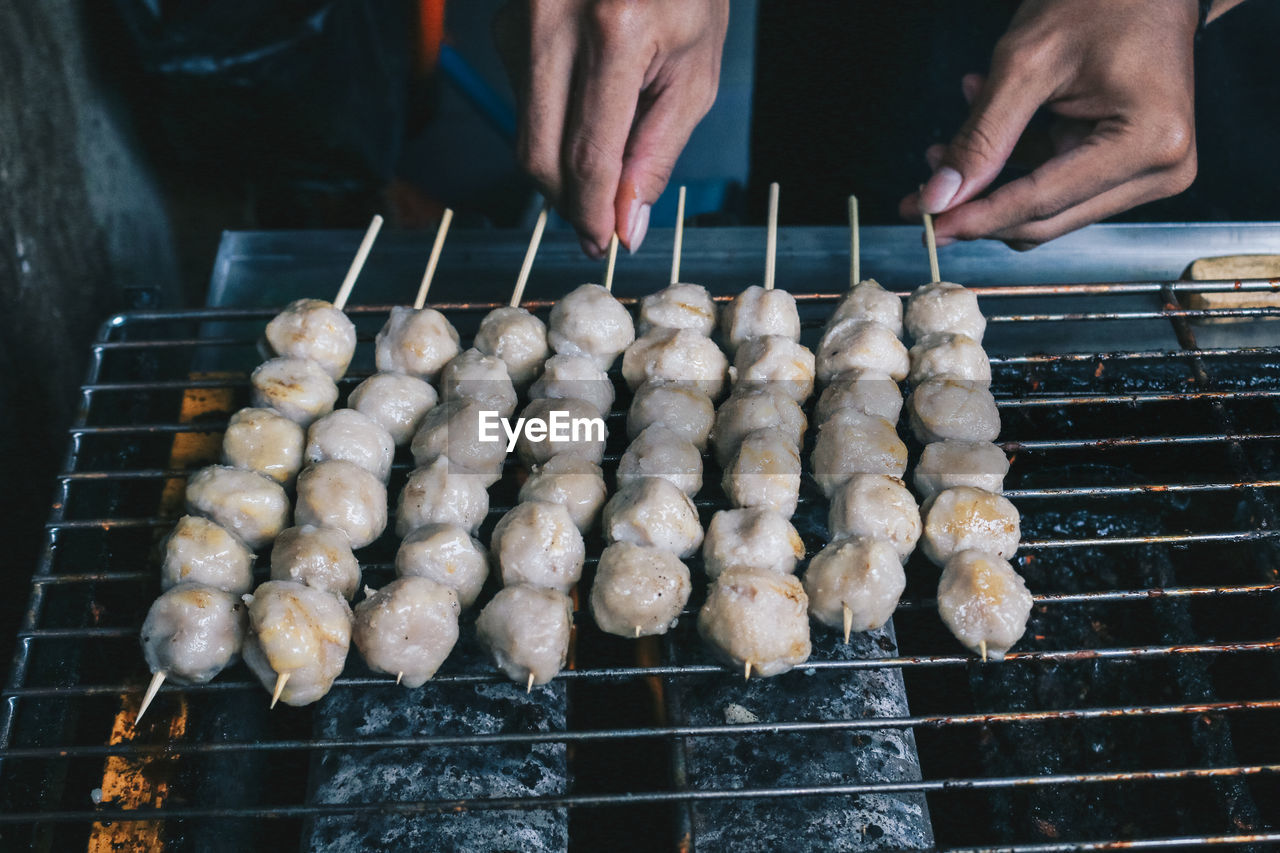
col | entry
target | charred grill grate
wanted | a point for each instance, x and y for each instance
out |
(1140, 709)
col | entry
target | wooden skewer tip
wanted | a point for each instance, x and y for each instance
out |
(436, 248)
(771, 238)
(530, 253)
(982, 647)
(152, 689)
(746, 671)
(848, 622)
(399, 675)
(529, 687)
(678, 247)
(281, 680)
(611, 262)
(357, 263)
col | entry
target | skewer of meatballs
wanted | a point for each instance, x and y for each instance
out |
(198, 625)
(856, 580)
(970, 529)
(651, 525)
(538, 546)
(755, 614)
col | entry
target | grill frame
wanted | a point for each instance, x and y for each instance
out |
(1233, 435)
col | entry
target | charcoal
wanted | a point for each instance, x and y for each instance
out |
(441, 773)
(818, 823)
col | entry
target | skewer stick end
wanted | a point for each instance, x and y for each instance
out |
(399, 675)
(848, 622)
(613, 260)
(281, 680)
(982, 647)
(529, 686)
(746, 671)
(637, 632)
(152, 689)
(771, 238)
(932, 244)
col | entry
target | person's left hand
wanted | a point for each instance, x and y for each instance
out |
(1117, 76)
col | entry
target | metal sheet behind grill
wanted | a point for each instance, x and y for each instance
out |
(1140, 709)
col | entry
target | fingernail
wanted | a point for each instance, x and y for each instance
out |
(942, 187)
(590, 249)
(639, 226)
(943, 241)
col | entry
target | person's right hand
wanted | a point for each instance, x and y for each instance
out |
(609, 92)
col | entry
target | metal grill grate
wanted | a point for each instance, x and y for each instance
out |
(1139, 710)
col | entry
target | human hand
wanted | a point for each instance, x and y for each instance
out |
(1117, 76)
(609, 92)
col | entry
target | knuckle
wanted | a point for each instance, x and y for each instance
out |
(1172, 144)
(588, 159)
(612, 20)
(979, 139)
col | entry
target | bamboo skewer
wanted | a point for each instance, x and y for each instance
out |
(678, 246)
(357, 264)
(527, 266)
(746, 671)
(610, 262)
(771, 238)
(848, 622)
(281, 679)
(436, 247)
(855, 244)
(152, 689)
(529, 687)
(933, 248)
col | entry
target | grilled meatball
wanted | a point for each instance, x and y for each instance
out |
(678, 355)
(537, 543)
(964, 518)
(943, 307)
(319, 557)
(518, 338)
(983, 602)
(638, 591)
(948, 408)
(869, 392)
(949, 357)
(192, 632)
(418, 342)
(251, 506)
(574, 428)
(265, 441)
(750, 538)
(661, 452)
(859, 573)
(348, 435)
(852, 443)
(314, 329)
(576, 377)
(344, 496)
(756, 312)
(200, 551)
(407, 629)
(482, 379)
(677, 405)
(575, 483)
(757, 618)
(878, 507)
(396, 401)
(955, 462)
(526, 629)
(765, 472)
(452, 430)
(298, 631)
(446, 554)
(861, 345)
(869, 302)
(441, 493)
(755, 407)
(678, 306)
(589, 321)
(654, 513)
(297, 388)
(780, 363)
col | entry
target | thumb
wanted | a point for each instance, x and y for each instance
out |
(1002, 107)
(658, 136)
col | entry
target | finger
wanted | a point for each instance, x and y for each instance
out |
(971, 86)
(1113, 155)
(1124, 197)
(661, 131)
(539, 56)
(607, 81)
(933, 155)
(1007, 101)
